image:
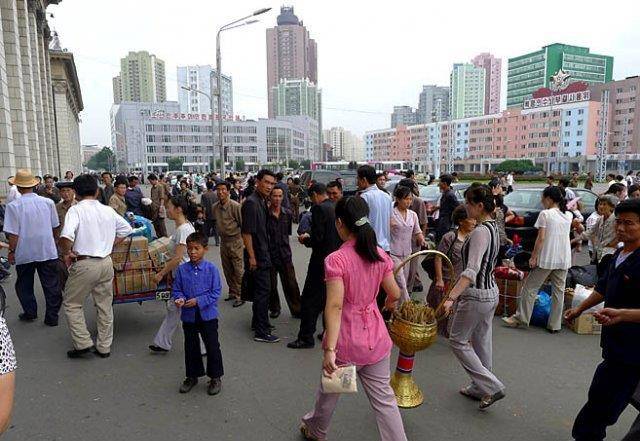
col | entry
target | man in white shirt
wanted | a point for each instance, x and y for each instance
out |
(89, 233)
(380, 205)
(509, 182)
(13, 192)
(31, 225)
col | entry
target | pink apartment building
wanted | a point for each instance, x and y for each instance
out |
(493, 71)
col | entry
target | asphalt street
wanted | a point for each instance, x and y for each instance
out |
(267, 388)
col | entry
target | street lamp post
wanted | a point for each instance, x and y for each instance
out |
(228, 26)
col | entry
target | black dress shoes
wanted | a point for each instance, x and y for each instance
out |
(274, 314)
(24, 317)
(215, 386)
(78, 353)
(188, 384)
(299, 344)
(102, 354)
(157, 349)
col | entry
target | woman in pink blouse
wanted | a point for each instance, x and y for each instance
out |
(355, 331)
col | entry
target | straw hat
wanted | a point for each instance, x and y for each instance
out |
(24, 179)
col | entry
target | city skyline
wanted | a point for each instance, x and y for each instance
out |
(350, 63)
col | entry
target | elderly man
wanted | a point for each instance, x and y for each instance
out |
(90, 231)
(32, 225)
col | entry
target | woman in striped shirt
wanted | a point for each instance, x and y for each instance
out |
(474, 299)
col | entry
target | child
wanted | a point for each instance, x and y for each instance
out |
(199, 223)
(196, 289)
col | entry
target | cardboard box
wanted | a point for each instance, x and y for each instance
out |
(585, 324)
(132, 249)
(134, 277)
(159, 251)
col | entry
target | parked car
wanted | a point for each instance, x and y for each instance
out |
(526, 204)
(347, 177)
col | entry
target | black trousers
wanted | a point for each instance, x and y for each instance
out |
(261, 284)
(210, 230)
(50, 281)
(208, 330)
(289, 286)
(611, 390)
(314, 297)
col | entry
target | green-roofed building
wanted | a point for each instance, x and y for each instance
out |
(528, 73)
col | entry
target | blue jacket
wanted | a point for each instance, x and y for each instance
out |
(202, 282)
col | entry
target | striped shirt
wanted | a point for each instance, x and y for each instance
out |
(479, 257)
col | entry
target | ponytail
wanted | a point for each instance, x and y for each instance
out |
(557, 195)
(353, 212)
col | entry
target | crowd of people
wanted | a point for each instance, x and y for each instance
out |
(65, 231)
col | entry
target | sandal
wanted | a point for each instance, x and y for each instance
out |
(306, 433)
(488, 400)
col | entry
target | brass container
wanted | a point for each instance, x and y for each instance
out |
(411, 338)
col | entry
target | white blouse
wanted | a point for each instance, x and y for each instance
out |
(556, 249)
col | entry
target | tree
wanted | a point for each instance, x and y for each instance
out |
(305, 164)
(517, 166)
(239, 164)
(294, 164)
(175, 163)
(103, 160)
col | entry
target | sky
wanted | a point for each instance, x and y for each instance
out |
(371, 55)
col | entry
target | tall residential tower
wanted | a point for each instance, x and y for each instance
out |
(492, 77)
(291, 53)
(199, 77)
(433, 104)
(142, 79)
(467, 90)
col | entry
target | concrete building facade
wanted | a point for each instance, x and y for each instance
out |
(492, 80)
(467, 90)
(27, 97)
(291, 53)
(433, 104)
(345, 145)
(403, 115)
(203, 78)
(530, 72)
(142, 78)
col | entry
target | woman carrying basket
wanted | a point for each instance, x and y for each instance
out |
(475, 296)
(355, 331)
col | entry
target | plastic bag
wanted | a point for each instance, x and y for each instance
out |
(580, 293)
(541, 310)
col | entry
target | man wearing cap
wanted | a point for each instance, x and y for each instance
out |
(31, 224)
(49, 190)
(90, 231)
(68, 196)
(228, 219)
(158, 197)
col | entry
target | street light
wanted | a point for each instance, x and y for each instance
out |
(213, 121)
(234, 24)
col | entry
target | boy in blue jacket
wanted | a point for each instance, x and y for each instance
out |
(196, 289)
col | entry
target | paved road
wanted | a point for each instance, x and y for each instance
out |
(134, 394)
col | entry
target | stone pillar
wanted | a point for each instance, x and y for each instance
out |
(7, 159)
(61, 116)
(45, 88)
(52, 152)
(37, 83)
(28, 86)
(9, 14)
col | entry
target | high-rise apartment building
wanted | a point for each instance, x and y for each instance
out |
(467, 90)
(433, 104)
(200, 78)
(291, 53)
(142, 78)
(117, 90)
(403, 115)
(492, 80)
(345, 145)
(529, 72)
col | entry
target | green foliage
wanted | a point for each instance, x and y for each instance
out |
(239, 163)
(305, 164)
(103, 160)
(294, 164)
(175, 163)
(517, 166)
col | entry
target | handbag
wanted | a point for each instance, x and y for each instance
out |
(429, 264)
(342, 381)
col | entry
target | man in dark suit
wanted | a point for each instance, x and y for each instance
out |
(323, 240)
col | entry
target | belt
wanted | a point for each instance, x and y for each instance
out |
(79, 258)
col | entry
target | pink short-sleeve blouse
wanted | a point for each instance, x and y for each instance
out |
(363, 338)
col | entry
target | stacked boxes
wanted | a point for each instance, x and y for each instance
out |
(585, 323)
(135, 263)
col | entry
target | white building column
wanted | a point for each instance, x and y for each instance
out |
(9, 14)
(28, 86)
(7, 159)
(37, 85)
(45, 87)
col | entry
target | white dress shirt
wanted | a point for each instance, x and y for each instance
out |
(32, 218)
(380, 210)
(13, 194)
(92, 227)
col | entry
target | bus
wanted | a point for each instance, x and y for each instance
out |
(391, 166)
(332, 165)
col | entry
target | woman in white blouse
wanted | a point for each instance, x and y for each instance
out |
(550, 259)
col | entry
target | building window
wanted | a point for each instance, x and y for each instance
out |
(580, 121)
(578, 143)
(580, 111)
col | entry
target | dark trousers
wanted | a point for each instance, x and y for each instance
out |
(210, 230)
(611, 390)
(48, 275)
(289, 286)
(160, 227)
(314, 296)
(208, 330)
(63, 274)
(261, 283)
